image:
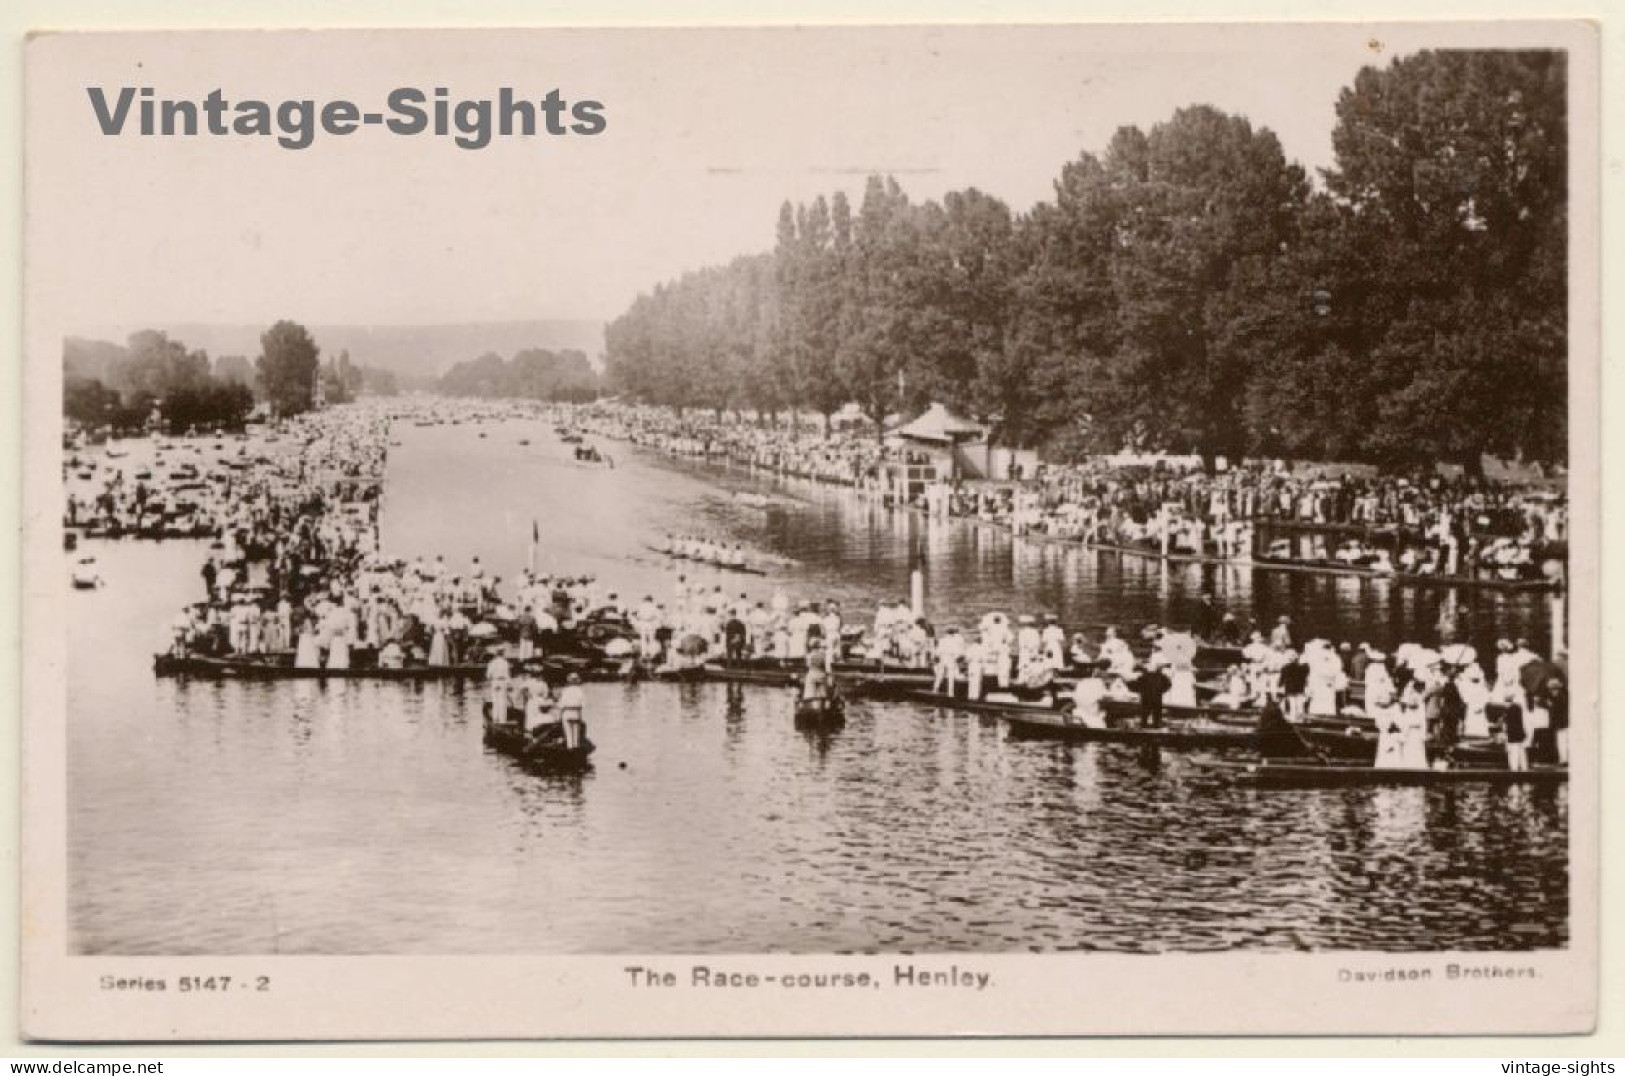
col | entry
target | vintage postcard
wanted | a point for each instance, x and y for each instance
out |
(968, 530)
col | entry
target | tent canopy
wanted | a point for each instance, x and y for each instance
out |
(939, 425)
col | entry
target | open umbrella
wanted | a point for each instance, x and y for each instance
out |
(1458, 654)
(692, 646)
(1534, 674)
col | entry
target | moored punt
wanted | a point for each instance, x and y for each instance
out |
(768, 673)
(208, 668)
(1034, 722)
(1409, 579)
(282, 668)
(1295, 775)
(682, 674)
(548, 754)
(1154, 552)
(1263, 562)
(1416, 579)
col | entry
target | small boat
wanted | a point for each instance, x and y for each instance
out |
(541, 751)
(1297, 775)
(1403, 578)
(744, 569)
(553, 669)
(827, 712)
(84, 574)
(281, 667)
(1053, 724)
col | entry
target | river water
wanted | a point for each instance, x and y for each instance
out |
(367, 818)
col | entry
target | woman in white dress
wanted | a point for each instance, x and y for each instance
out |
(1413, 727)
(1390, 741)
(438, 653)
(1182, 689)
(308, 653)
(1379, 683)
(1475, 695)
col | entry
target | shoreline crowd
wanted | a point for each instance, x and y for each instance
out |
(1420, 524)
(297, 578)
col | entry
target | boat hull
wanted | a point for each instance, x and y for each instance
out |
(206, 668)
(517, 744)
(1271, 775)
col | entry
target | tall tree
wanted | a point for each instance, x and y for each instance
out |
(288, 365)
(1453, 166)
(872, 355)
(1206, 203)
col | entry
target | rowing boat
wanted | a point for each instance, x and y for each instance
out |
(745, 569)
(548, 754)
(1295, 775)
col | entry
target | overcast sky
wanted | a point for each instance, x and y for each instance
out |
(708, 132)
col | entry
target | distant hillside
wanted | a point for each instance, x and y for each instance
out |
(414, 351)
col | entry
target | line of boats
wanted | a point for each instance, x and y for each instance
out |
(1264, 562)
(1315, 751)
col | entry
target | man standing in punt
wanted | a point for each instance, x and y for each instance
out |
(572, 702)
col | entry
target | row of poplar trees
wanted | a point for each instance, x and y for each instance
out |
(1187, 289)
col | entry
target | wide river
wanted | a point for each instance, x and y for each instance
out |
(367, 818)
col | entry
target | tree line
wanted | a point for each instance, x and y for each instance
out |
(532, 374)
(1188, 288)
(122, 387)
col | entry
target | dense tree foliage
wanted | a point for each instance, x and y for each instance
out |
(533, 374)
(289, 363)
(1187, 288)
(123, 388)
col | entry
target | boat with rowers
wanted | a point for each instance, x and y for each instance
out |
(544, 747)
(710, 554)
(537, 749)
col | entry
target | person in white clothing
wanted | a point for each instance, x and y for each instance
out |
(572, 703)
(1087, 695)
(1054, 642)
(497, 675)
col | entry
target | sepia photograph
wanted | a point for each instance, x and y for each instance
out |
(882, 512)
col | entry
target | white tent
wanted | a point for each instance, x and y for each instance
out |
(941, 426)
